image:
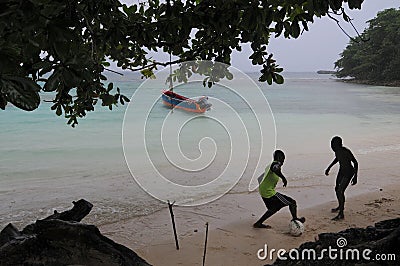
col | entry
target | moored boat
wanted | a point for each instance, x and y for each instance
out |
(174, 100)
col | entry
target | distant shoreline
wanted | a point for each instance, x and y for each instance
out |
(395, 83)
(325, 72)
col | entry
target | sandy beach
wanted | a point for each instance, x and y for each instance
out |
(231, 239)
(55, 166)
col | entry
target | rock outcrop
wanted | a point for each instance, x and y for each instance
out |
(61, 239)
(374, 245)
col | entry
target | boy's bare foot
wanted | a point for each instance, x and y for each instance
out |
(340, 216)
(301, 219)
(335, 209)
(258, 225)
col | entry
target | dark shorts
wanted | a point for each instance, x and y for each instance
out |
(278, 201)
(343, 179)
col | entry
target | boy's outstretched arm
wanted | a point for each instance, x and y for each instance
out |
(355, 163)
(277, 170)
(260, 178)
(330, 166)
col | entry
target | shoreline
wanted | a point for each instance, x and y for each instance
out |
(232, 238)
(395, 83)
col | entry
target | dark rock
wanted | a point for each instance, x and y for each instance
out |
(8, 233)
(383, 238)
(388, 224)
(81, 209)
(61, 240)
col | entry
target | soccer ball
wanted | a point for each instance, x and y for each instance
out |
(296, 228)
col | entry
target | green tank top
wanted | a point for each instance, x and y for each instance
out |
(268, 184)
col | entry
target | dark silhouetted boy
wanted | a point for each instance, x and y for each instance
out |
(348, 168)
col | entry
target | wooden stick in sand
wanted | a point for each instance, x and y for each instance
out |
(173, 223)
(205, 245)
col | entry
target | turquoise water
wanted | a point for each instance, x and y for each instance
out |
(45, 164)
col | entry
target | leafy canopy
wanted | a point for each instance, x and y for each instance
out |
(65, 45)
(378, 58)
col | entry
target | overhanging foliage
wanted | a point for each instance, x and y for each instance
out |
(67, 43)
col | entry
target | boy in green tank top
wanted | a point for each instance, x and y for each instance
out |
(274, 201)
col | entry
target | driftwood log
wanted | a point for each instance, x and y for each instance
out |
(383, 238)
(61, 239)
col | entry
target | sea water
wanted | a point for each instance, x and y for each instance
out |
(45, 164)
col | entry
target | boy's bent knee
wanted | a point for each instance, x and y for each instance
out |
(274, 210)
(293, 203)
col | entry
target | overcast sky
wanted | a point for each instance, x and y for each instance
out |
(316, 49)
(319, 47)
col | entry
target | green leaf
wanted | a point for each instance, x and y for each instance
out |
(148, 73)
(52, 82)
(278, 79)
(3, 102)
(295, 29)
(62, 49)
(278, 29)
(59, 111)
(355, 4)
(107, 99)
(269, 79)
(110, 87)
(229, 75)
(21, 92)
(126, 99)
(71, 78)
(305, 26)
(42, 64)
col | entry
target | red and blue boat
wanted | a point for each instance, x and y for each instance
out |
(174, 100)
